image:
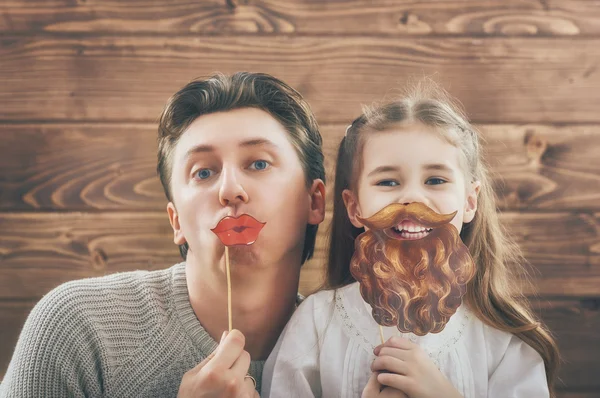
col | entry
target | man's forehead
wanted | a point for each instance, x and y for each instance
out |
(240, 128)
(248, 143)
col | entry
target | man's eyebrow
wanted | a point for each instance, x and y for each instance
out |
(257, 142)
(203, 148)
(199, 149)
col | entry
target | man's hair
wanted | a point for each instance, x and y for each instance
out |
(221, 93)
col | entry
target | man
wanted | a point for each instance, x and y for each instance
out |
(238, 147)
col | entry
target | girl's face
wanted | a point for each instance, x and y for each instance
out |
(412, 163)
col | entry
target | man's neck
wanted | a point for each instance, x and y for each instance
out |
(263, 300)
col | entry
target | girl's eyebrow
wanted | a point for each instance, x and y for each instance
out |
(430, 166)
(438, 167)
(384, 169)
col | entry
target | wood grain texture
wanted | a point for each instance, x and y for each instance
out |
(384, 17)
(79, 167)
(562, 249)
(576, 326)
(575, 323)
(592, 393)
(539, 167)
(38, 251)
(113, 78)
(113, 166)
(13, 315)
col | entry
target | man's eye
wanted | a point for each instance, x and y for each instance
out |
(388, 183)
(203, 174)
(435, 181)
(259, 165)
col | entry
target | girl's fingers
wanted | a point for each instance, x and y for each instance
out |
(386, 363)
(372, 388)
(399, 353)
(400, 342)
(397, 381)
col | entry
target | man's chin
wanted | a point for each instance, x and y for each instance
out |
(244, 254)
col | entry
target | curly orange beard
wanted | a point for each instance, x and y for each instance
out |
(416, 285)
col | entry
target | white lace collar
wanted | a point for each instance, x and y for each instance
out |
(358, 324)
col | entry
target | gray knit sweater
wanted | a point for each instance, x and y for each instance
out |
(131, 334)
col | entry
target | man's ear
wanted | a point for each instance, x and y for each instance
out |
(351, 203)
(316, 213)
(178, 237)
(471, 202)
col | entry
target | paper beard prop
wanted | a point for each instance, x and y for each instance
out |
(412, 280)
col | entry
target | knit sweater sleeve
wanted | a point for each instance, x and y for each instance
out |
(58, 354)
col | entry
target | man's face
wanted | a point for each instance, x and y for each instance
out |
(234, 163)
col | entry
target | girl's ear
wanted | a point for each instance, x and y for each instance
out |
(471, 202)
(352, 207)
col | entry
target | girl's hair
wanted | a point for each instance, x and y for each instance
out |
(494, 294)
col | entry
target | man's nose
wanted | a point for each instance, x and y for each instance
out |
(231, 191)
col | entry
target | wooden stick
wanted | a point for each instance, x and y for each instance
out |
(381, 334)
(228, 287)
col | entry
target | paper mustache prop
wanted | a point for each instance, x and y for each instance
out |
(412, 267)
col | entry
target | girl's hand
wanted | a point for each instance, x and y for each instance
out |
(374, 389)
(404, 366)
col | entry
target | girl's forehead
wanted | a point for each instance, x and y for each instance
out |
(409, 147)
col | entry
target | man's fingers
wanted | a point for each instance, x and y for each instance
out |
(228, 350)
(202, 364)
(241, 365)
(250, 388)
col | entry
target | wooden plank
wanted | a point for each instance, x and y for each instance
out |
(575, 324)
(113, 166)
(562, 250)
(538, 167)
(594, 393)
(41, 251)
(13, 315)
(404, 17)
(115, 78)
(79, 167)
(38, 251)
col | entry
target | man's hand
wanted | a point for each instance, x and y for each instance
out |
(223, 374)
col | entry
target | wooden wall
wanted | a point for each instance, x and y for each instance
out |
(83, 82)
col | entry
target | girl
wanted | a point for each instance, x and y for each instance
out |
(418, 149)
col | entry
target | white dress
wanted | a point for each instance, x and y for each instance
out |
(327, 347)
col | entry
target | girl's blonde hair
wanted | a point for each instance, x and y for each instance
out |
(494, 294)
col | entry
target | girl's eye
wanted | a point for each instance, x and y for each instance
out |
(259, 165)
(203, 174)
(435, 181)
(388, 183)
